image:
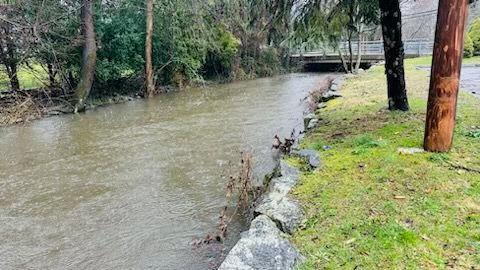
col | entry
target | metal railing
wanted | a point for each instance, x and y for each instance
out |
(411, 47)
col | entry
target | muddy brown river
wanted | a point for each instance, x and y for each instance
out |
(130, 186)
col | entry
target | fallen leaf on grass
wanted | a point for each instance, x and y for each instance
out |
(350, 241)
(409, 151)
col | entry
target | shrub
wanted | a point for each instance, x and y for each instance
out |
(468, 47)
(268, 62)
(474, 34)
(221, 53)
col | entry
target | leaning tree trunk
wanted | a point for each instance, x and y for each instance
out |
(391, 20)
(445, 76)
(359, 49)
(150, 87)
(342, 58)
(89, 57)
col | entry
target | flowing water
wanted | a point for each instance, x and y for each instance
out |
(130, 186)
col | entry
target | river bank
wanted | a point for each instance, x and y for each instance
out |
(373, 205)
(30, 105)
(36, 103)
(132, 185)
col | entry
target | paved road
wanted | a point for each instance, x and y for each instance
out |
(470, 80)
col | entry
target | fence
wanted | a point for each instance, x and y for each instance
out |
(411, 47)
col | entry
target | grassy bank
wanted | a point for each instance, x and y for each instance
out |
(427, 61)
(33, 77)
(369, 207)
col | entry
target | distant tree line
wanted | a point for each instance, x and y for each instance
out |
(472, 40)
(142, 44)
(107, 42)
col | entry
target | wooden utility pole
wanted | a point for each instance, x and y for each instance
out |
(445, 76)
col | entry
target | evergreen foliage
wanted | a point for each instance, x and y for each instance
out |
(192, 40)
(475, 36)
(468, 46)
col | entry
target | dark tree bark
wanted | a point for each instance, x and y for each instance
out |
(359, 49)
(391, 20)
(445, 76)
(8, 55)
(350, 51)
(89, 57)
(11, 67)
(150, 87)
(342, 58)
(52, 73)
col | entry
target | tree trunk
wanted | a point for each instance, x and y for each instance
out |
(8, 55)
(342, 58)
(150, 87)
(51, 75)
(89, 57)
(359, 49)
(12, 75)
(445, 76)
(391, 20)
(350, 50)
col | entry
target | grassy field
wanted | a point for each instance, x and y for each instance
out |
(29, 78)
(370, 207)
(427, 61)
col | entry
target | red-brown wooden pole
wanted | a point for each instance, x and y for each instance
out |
(445, 77)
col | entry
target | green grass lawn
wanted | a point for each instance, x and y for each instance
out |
(369, 207)
(427, 60)
(29, 78)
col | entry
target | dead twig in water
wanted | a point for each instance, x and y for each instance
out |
(240, 194)
(285, 146)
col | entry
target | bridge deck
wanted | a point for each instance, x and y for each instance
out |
(371, 51)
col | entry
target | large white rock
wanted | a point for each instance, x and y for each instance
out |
(284, 211)
(276, 204)
(311, 156)
(329, 95)
(263, 248)
(321, 105)
(313, 123)
(307, 119)
(287, 170)
(339, 80)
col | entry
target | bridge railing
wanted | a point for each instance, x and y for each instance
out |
(411, 47)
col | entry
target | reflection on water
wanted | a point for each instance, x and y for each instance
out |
(130, 186)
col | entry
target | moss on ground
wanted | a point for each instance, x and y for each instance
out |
(369, 207)
(427, 60)
(33, 77)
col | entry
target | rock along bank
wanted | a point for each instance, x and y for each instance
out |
(263, 246)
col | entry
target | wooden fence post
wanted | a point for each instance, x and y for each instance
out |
(445, 76)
